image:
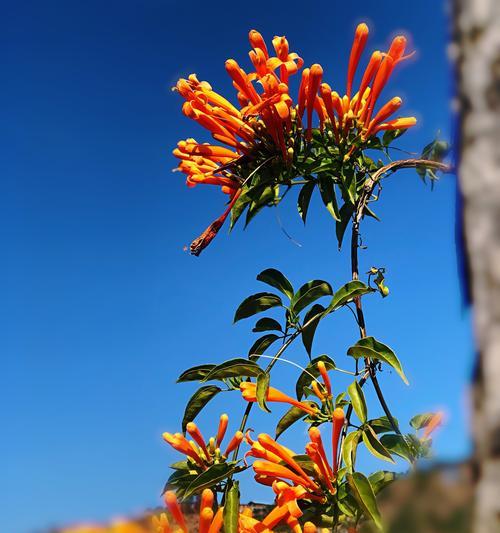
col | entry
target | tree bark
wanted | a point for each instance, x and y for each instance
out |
(477, 51)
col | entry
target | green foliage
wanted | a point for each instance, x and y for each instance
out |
(311, 321)
(362, 491)
(375, 350)
(256, 304)
(197, 402)
(276, 279)
(309, 293)
(294, 414)
(358, 401)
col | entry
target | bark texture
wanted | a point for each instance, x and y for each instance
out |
(477, 51)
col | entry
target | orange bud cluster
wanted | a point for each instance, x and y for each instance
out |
(198, 451)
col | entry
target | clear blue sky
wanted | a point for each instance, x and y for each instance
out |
(101, 308)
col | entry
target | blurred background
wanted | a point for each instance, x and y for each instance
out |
(101, 306)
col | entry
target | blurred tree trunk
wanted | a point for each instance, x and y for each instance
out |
(477, 50)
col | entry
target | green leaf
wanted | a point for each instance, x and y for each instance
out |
(349, 448)
(210, 477)
(398, 445)
(197, 402)
(262, 344)
(347, 293)
(346, 212)
(311, 370)
(375, 446)
(179, 481)
(327, 191)
(305, 462)
(256, 303)
(234, 368)
(238, 208)
(262, 390)
(308, 293)
(381, 424)
(304, 199)
(290, 417)
(421, 421)
(231, 510)
(195, 373)
(369, 213)
(390, 135)
(363, 492)
(308, 332)
(436, 150)
(276, 279)
(358, 401)
(267, 324)
(180, 465)
(379, 480)
(268, 197)
(349, 182)
(372, 348)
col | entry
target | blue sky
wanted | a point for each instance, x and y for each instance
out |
(101, 306)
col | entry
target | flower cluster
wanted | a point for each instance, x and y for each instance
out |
(199, 453)
(268, 125)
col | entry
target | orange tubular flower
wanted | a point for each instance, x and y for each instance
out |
(257, 42)
(360, 38)
(175, 510)
(207, 522)
(315, 75)
(289, 63)
(386, 111)
(368, 76)
(234, 442)
(434, 423)
(249, 393)
(224, 419)
(324, 375)
(277, 471)
(396, 124)
(315, 436)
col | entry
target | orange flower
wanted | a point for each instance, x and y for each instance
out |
(315, 75)
(358, 46)
(224, 419)
(396, 124)
(434, 423)
(208, 522)
(289, 63)
(249, 393)
(324, 375)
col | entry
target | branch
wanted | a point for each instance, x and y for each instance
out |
(392, 167)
